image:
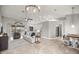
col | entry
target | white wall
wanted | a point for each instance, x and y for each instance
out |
(45, 29)
(52, 28)
(49, 28)
(68, 23)
(0, 14)
(7, 22)
(0, 18)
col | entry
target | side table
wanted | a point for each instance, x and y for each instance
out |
(37, 39)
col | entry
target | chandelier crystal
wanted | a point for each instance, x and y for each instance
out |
(33, 7)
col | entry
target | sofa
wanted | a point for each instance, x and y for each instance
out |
(29, 36)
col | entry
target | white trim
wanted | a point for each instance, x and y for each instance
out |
(49, 38)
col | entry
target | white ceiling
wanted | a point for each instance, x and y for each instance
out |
(46, 11)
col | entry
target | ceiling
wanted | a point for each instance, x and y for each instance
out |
(46, 11)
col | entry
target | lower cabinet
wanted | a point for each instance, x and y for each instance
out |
(3, 43)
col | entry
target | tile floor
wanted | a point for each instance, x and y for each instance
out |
(46, 46)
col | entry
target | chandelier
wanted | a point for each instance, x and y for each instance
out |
(33, 8)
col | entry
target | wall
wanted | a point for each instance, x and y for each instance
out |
(0, 18)
(0, 14)
(52, 28)
(7, 22)
(49, 29)
(68, 23)
(45, 29)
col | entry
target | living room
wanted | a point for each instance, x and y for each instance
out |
(39, 29)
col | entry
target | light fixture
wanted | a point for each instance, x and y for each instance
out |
(34, 8)
(38, 31)
(0, 24)
(72, 25)
(26, 19)
(28, 8)
(38, 7)
(11, 38)
(31, 10)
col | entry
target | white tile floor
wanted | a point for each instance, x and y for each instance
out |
(53, 46)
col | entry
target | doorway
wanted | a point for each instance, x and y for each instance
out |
(59, 30)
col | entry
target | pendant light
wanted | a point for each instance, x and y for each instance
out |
(72, 25)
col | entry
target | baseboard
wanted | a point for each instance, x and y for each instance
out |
(49, 38)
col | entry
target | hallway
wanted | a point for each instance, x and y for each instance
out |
(46, 46)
